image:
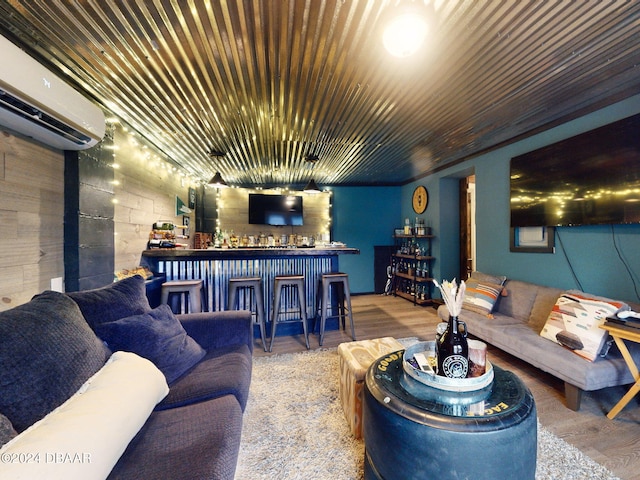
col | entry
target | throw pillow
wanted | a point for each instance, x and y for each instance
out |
(157, 336)
(574, 322)
(480, 297)
(85, 436)
(486, 278)
(7, 431)
(47, 351)
(118, 300)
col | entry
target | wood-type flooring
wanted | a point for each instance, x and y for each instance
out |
(612, 443)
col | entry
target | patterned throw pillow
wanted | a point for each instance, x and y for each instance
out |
(487, 278)
(574, 322)
(481, 297)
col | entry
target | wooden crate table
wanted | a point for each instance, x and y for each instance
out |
(619, 334)
(355, 359)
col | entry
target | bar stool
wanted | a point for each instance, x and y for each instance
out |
(251, 286)
(294, 282)
(190, 288)
(340, 281)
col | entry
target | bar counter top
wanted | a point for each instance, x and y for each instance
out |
(246, 252)
(216, 266)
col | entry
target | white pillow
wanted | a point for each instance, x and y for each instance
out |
(575, 320)
(85, 436)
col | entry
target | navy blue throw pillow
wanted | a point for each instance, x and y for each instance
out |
(6, 430)
(118, 300)
(47, 351)
(157, 336)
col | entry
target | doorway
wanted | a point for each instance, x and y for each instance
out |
(467, 226)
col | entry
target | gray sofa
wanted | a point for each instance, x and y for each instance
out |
(171, 409)
(514, 326)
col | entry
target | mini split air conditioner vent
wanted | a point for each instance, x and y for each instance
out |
(24, 110)
(36, 103)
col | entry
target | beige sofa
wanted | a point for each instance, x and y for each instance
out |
(514, 326)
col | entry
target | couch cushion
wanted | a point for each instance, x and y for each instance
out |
(575, 320)
(117, 300)
(480, 297)
(526, 344)
(47, 351)
(85, 436)
(7, 432)
(157, 336)
(517, 300)
(199, 441)
(223, 371)
(545, 300)
(485, 277)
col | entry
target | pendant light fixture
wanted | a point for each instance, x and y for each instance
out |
(217, 181)
(312, 187)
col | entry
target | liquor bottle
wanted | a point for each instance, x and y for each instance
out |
(453, 351)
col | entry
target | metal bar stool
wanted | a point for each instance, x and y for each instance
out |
(340, 281)
(252, 289)
(295, 282)
(190, 288)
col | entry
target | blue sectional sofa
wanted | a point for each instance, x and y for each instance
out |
(97, 384)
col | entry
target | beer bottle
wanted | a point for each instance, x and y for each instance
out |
(452, 351)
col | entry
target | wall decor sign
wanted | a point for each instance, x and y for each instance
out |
(192, 198)
(186, 223)
(420, 199)
(181, 208)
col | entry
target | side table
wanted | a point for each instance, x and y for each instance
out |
(413, 431)
(355, 359)
(619, 334)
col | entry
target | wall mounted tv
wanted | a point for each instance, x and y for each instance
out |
(590, 179)
(275, 209)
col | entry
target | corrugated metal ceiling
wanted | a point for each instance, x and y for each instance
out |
(270, 82)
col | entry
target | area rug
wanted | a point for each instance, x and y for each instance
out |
(294, 428)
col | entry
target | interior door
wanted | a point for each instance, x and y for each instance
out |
(467, 226)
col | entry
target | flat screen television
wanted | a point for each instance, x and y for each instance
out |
(590, 179)
(275, 209)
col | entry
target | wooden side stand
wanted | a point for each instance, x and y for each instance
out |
(619, 334)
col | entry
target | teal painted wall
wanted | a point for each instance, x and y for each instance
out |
(589, 257)
(364, 217)
(603, 260)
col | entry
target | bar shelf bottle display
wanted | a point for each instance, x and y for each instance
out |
(411, 266)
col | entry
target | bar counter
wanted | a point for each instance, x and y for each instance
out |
(216, 266)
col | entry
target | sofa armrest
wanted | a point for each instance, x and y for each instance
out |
(219, 329)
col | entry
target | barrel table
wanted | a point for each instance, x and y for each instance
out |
(415, 431)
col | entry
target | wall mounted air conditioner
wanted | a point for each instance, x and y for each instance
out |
(36, 103)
